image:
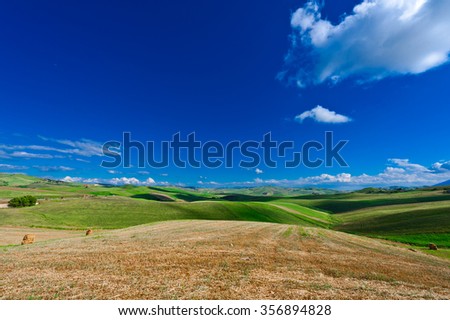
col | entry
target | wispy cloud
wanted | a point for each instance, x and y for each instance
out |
(49, 149)
(406, 164)
(29, 147)
(372, 43)
(321, 114)
(4, 155)
(441, 166)
(209, 183)
(83, 147)
(4, 166)
(53, 168)
(82, 160)
(28, 155)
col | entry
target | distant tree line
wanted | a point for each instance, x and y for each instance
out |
(25, 201)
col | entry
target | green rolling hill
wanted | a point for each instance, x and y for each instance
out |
(415, 217)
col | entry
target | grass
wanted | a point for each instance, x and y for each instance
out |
(341, 203)
(415, 217)
(441, 253)
(182, 243)
(418, 223)
(310, 216)
(16, 180)
(442, 240)
(321, 215)
(121, 212)
(16, 185)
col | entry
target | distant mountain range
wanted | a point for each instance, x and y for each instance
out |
(443, 184)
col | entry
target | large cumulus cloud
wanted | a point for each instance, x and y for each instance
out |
(380, 38)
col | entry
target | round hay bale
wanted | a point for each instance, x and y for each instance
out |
(89, 232)
(28, 239)
(432, 246)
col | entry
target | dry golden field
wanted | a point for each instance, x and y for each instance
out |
(218, 260)
(14, 235)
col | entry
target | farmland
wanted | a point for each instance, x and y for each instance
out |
(265, 242)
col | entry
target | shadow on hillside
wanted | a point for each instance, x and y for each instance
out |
(170, 198)
(191, 197)
(245, 197)
(154, 197)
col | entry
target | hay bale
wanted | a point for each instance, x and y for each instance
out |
(432, 246)
(28, 239)
(89, 232)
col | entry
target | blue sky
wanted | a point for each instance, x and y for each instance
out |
(77, 74)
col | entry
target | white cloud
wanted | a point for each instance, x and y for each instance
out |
(83, 147)
(114, 181)
(321, 114)
(258, 171)
(149, 181)
(82, 160)
(404, 163)
(4, 155)
(209, 183)
(27, 155)
(400, 172)
(441, 166)
(53, 168)
(125, 180)
(380, 38)
(72, 179)
(404, 173)
(12, 167)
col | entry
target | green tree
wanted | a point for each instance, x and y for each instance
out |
(25, 201)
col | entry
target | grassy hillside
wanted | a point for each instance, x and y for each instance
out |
(121, 212)
(340, 203)
(14, 180)
(416, 217)
(418, 223)
(313, 217)
(260, 243)
(18, 185)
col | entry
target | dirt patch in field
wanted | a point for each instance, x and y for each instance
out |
(221, 260)
(3, 205)
(14, 235)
